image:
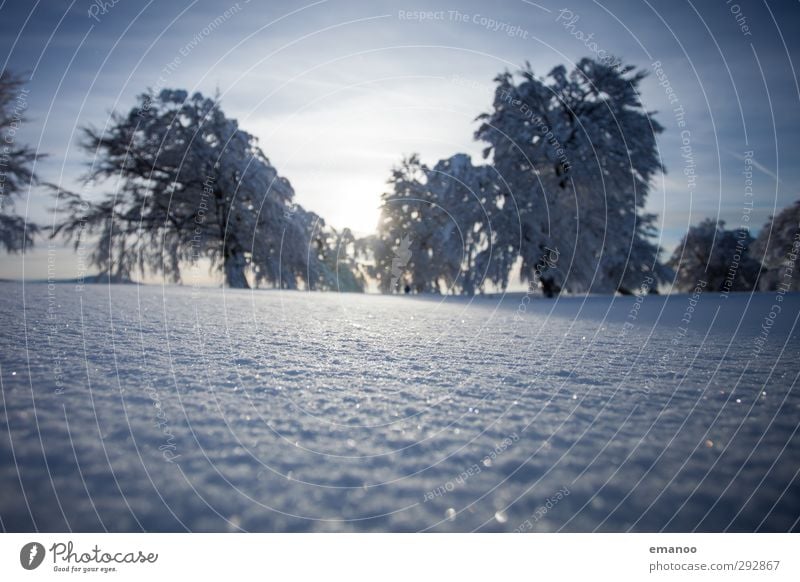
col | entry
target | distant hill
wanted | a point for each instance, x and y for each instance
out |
(87, 280)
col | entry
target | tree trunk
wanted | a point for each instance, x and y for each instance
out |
(234, 270)
(549, 288)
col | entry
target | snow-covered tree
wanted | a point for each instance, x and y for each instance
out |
(476, 242)
(631, 268)
(777, 246)
(722, 258)
(441, 229)
(578, 151)
(407, 232)
(16, 165)
(341, 258)
(186, 182)
(331, 260)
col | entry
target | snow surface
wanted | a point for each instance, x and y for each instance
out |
(291, 411)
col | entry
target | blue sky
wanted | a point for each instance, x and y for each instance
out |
(338, 91)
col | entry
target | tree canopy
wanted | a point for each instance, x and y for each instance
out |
(708, 252)
(188, 183)
(16, 165)
(572, 157)
(778, 245)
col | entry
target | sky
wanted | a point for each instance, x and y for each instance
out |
(338, 91)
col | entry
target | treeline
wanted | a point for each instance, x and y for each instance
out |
(732, 260)
(560, 201)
